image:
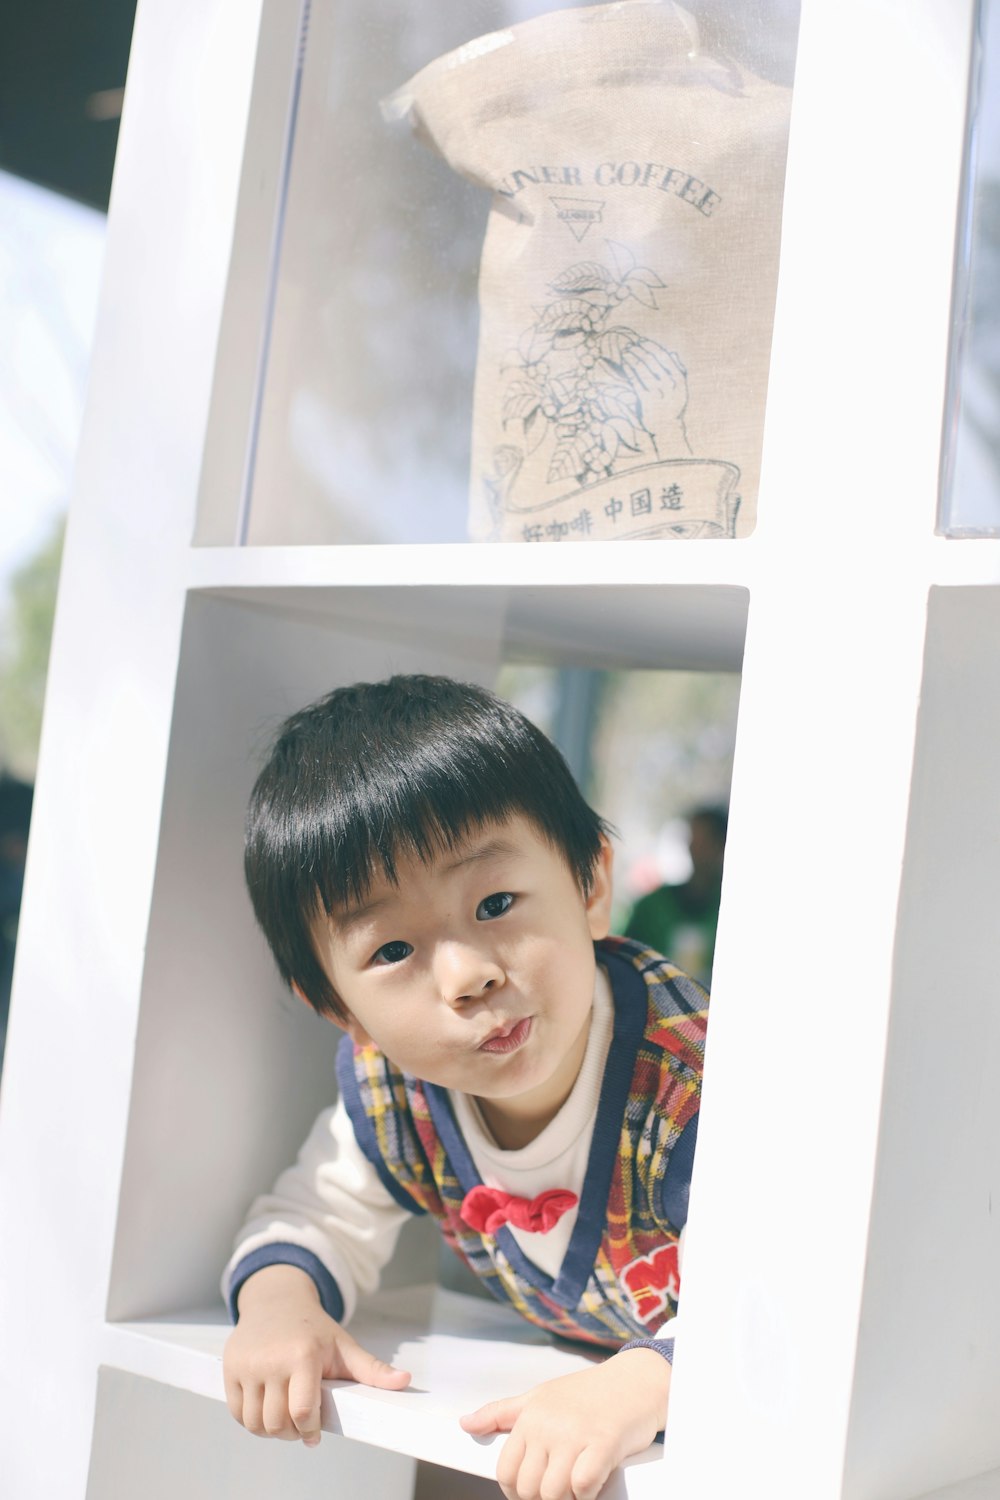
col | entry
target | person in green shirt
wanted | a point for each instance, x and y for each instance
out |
(680, 920)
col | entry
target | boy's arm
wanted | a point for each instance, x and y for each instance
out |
(309, 1247)
(329, 1215)
(568, 1435)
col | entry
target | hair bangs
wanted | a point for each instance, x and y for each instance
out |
(419, 809)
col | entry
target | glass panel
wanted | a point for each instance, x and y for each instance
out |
(526, 273)
(971, 479)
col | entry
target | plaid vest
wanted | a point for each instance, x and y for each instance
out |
(619, 1276)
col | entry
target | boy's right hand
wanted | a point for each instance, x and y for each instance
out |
(283, 1346)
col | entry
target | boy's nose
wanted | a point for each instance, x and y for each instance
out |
(464, 972)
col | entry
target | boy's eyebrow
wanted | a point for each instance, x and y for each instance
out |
(345, 920)
(488, 850)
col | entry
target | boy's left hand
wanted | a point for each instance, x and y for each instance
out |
(567, 1435)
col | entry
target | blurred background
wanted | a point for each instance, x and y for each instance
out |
(62, 80)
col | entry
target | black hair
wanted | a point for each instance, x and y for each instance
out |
(408, 766)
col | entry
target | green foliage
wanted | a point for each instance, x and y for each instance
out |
(25, 656)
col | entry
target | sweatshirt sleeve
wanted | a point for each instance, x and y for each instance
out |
(329, 1214)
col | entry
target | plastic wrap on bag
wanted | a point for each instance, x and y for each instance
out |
(628, 273)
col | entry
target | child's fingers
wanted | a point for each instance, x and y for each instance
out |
(495, 1416)
(556, 1479)
(277, 1422)
(590, 1473)
(234, 1396)
(359, 1364)
(303, 1404)
(509, 1466)
(522, 1471)
(251, 1413)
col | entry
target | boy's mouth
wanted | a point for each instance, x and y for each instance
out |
(508, 1038)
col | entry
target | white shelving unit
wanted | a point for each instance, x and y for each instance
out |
(841, 1296)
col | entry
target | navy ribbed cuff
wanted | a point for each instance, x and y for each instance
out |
(281, 1253)
(661, 1346)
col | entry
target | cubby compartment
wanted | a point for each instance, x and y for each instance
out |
(229, 1069)
(412, 367)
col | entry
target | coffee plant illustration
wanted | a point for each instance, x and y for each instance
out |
(609, 395)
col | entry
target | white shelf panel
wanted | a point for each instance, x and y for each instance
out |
(695, 627)
(476, 564)
(979, 1487)
(965, 560)
(461, 1351)
(752, 563)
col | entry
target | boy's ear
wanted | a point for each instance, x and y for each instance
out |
(598, 901)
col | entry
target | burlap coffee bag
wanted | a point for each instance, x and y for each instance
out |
(628, 273)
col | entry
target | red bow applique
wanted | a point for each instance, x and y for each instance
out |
(487, 1209)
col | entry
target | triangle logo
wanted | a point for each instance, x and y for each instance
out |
(578, 214)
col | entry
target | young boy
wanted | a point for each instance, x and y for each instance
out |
(429, 877)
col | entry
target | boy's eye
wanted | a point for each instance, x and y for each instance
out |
(393, 953)
(494, 906)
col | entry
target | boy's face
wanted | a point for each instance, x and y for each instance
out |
(476, 971)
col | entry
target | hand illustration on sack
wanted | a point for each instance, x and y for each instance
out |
(661, 378)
